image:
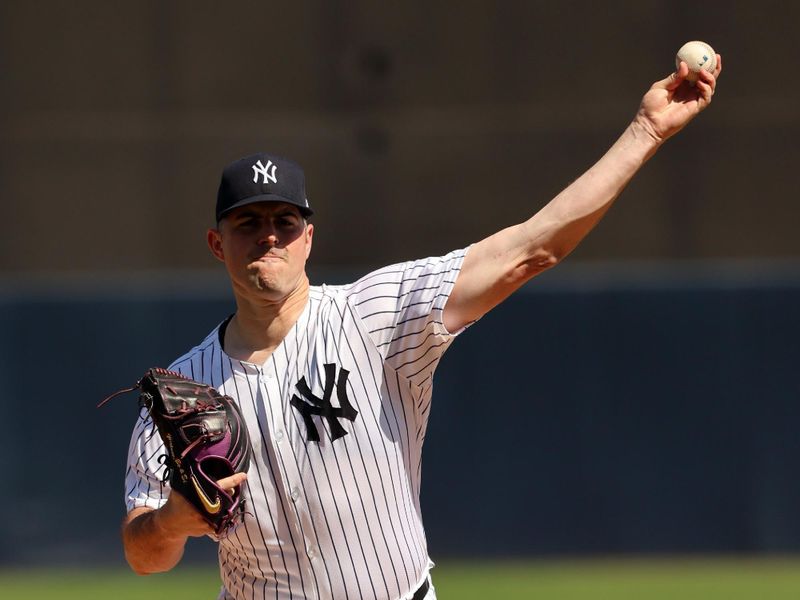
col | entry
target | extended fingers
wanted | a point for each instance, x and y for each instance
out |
(706, 84)
(706, 92)
(229, 484)
(674, 80)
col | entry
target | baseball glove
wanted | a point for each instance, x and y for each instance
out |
(205, 440)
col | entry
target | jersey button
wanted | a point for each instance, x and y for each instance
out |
(279, 435)
(295, 494)
(311, 554)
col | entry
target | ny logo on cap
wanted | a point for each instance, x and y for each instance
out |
(268, 172)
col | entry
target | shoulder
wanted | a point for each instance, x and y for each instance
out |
(396, 278)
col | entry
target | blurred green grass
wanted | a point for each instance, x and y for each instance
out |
(617, 579)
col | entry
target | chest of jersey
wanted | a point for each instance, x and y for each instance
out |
(336, 434)
(323, 400)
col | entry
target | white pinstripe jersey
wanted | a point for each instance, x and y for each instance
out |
(337, 518)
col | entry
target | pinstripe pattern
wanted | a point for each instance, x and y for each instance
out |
(335, 518)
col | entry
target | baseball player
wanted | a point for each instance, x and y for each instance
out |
(334, 382)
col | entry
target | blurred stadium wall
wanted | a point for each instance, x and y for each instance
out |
(640, 398)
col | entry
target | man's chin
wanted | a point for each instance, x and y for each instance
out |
(263, 284)
(268, 285)
(261, 279)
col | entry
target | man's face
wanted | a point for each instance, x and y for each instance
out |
(264, 247)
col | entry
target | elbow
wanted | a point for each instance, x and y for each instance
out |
(142, 568)
(142, 557)
(140, 572)
(138, 566)
(546, 259)
(540, 261)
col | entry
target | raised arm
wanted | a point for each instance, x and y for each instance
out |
(497, 266)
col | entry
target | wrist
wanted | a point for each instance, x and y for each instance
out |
(644, 129)
(163, 525)
(642, 137)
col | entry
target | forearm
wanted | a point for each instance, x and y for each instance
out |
(560, 226)
(149, 548)
(498, 265)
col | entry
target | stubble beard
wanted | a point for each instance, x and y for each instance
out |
(262, 281)
(272, 283)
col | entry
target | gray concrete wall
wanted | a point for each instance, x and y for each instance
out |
(597, 411)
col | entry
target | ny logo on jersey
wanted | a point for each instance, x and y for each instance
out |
(266, 171)
(313, 405)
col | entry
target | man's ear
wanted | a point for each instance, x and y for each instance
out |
(214, 240)
(309, 233)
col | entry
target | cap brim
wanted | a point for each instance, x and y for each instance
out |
(304, 210)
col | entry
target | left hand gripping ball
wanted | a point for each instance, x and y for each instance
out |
(698, 55)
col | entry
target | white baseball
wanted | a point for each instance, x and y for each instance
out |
(698, 55)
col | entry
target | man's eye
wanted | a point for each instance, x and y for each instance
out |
(285, 222)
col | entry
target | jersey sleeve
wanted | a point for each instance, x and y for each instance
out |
(143, 486)
(401, 307)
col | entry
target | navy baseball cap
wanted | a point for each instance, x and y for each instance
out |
(262, 178)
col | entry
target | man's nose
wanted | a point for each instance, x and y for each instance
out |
(268, 235)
